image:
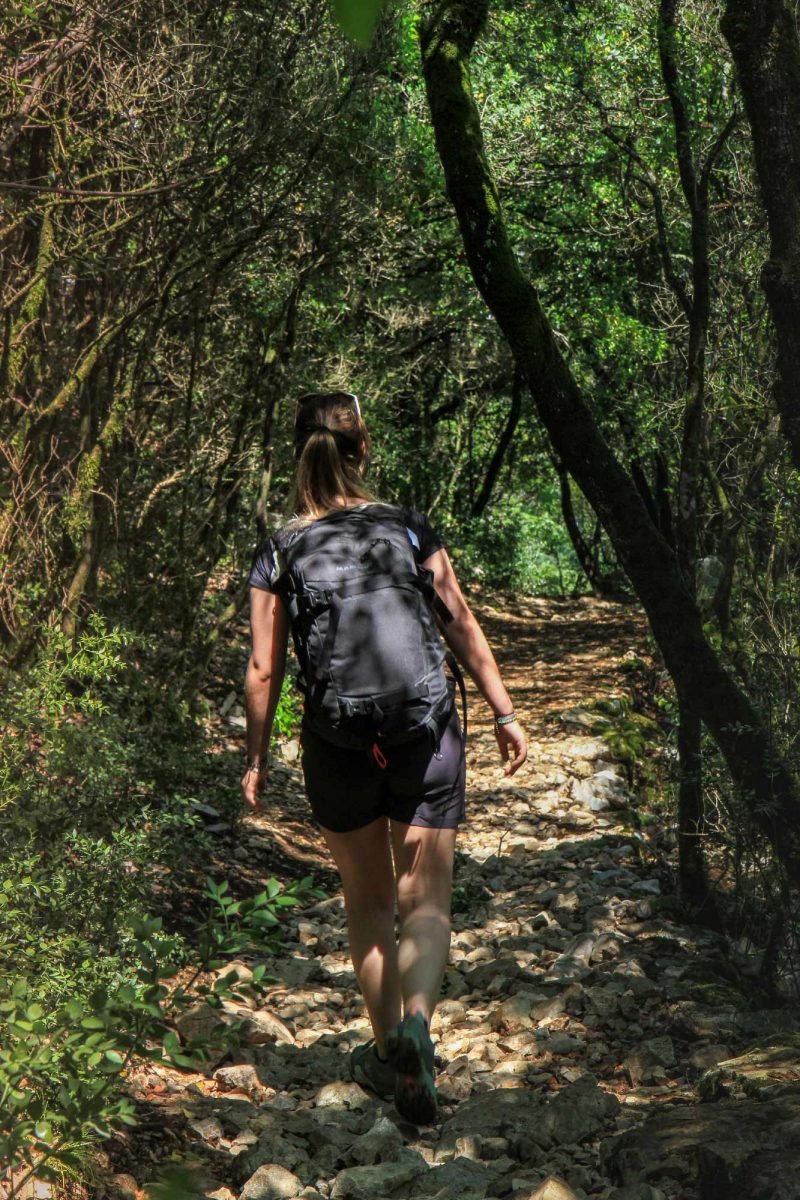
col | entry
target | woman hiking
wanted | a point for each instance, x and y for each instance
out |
(365, 589)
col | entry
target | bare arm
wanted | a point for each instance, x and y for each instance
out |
(269, 630)
(467, 641)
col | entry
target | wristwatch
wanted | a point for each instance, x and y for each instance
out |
(256, 767)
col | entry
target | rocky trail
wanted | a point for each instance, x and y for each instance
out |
(582, 1025)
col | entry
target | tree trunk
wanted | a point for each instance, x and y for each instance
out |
(506, 437)
(694, 177)
(656, 499)
(87, 564)
(694, 185)
(692, 875)
(662, 498)
(271, 401)
(585, 552)
(765, 42)
(447, 38)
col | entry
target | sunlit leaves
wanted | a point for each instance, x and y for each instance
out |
(60, 1069)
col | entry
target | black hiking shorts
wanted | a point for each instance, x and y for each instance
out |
(347, 789)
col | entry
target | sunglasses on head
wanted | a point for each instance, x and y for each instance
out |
(313, 398)
(350, 396)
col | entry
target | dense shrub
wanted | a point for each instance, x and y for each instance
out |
(98, 767)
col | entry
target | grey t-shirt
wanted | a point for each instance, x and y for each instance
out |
(267, 564)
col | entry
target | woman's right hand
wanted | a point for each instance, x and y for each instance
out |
(513, 746)
(253, 785)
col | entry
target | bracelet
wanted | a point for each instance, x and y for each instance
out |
(256, 767)
(506, 720)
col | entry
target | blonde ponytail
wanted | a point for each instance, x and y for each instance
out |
(332, 452)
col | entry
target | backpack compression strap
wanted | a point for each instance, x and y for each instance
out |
(423, 580)
(334, 597)
(425, 584)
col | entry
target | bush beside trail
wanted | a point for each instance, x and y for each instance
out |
(102, 823)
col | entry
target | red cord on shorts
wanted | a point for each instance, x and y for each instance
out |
(378, 755)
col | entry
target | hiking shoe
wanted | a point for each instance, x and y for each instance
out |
(410, 1050)
(373, 1074)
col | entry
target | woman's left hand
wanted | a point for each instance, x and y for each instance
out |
(513, 746)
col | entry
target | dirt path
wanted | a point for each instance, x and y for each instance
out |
(573, 1005)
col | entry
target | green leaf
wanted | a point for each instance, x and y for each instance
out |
(176, 1183)
(182, 1060)
(109, 1068)
(358, 18)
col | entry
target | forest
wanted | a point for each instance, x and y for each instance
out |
(554, 248)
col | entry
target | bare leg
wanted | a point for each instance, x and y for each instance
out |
(424, 870)
(365, 864)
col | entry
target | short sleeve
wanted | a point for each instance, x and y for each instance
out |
(266, 569)
(424, 537)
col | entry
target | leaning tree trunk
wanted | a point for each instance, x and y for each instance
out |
(765, 42)
(499, 456)
(587, 553)
(447, 37)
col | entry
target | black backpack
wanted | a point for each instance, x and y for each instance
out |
(361, 611)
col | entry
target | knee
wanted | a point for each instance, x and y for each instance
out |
(375, 907)
(414, 901)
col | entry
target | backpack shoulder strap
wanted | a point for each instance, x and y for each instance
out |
(424, 581)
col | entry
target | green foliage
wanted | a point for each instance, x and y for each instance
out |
(87, 832)
(60, 1068)
(56, 720)
(289, 710)
(85, 826)
(358, 18)
(521, 546)
(630, 735)
(177, 1183)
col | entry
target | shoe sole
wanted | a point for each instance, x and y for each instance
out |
(415, 1090)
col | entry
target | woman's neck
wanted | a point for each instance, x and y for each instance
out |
(347, 502)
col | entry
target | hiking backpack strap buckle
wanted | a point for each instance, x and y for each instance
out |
(315, 600)
(351, 708)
